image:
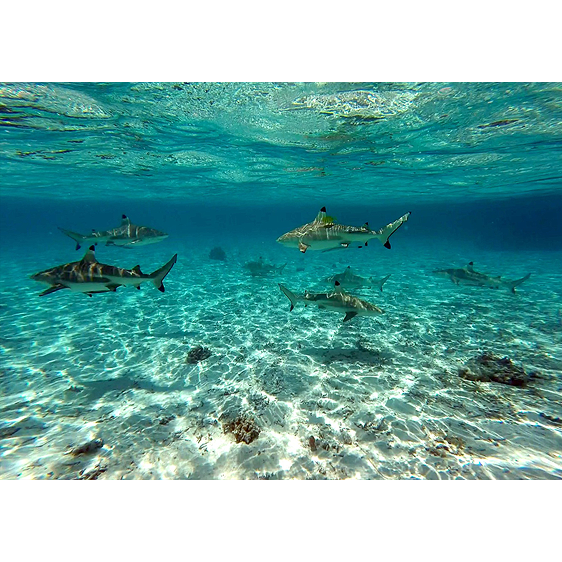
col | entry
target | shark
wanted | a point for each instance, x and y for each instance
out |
(349, 280)
(261, 269)
(325, 235)
(90, 276)
(337, 300)
(128, 235)
(469, 276)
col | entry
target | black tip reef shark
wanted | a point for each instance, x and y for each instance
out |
(128, 235)
(261, 269)
(337, 301)
(469, 276)
(90, 276)
(324, 234)
(349, 280)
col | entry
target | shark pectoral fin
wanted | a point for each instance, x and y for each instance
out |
(138, 287)
(349, 316)
(387, 245)
(303, 247)
(52, 290)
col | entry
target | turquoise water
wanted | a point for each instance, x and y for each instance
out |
(236, 166)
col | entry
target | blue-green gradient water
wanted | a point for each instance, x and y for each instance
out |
(236, 165)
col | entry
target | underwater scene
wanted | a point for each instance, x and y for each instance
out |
(285, 281)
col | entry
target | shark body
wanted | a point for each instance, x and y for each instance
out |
(469, 276)
(90, 276)
(349, 280)
(324, 234)
(128, 235)
(336, 301)
(262, 269)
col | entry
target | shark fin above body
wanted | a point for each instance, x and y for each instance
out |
(349, 316)
(90, 255)
(137, 269)
(470, 266)
(125, 220)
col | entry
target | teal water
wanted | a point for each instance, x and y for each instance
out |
(236, 166)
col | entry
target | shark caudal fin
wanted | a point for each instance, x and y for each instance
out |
(513, 284)
(78, 238)
(158, 275)
(292, 297)
(387, 231)
(382, 281)
(281, 268)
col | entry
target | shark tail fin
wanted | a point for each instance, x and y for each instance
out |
(78, 238)
(513, 284)
(281, 268)
(387, 231)
(159, 274)
(291, 296)
(383, 281)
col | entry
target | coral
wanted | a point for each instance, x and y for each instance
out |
(217, 254)
(492, 368)
(87, 448)
(197, 354)
(244, 429)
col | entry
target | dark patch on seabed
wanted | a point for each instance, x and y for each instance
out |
(458, 378)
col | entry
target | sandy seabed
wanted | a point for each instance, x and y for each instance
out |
(374, 398)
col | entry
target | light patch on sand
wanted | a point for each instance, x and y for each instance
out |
(285, 464)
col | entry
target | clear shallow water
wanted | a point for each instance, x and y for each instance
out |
(237, 165)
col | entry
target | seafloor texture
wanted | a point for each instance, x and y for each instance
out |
(281, 395)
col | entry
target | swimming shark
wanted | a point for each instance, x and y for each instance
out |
(469, 276)
(325, 235)
(351, 281)
(128, 235)
(90, 276)
(338, 301)
(261, 269)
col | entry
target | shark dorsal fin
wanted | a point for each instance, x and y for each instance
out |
(470, 266)
(137, 269)
(366, 225)
(90, 255)
(337, 287)
(125, 220)
(321, 216)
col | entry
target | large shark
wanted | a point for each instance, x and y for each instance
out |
(337, 301)
(90, 276)
(324, 234)
(349, 280)
(469, 276)
(261, 269)
(128, 235)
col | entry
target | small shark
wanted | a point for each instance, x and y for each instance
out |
(351, 281)
(261, 269)
(469, 276)
(90, 276)
(337, 301)
(324, 234)
(128, 235)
